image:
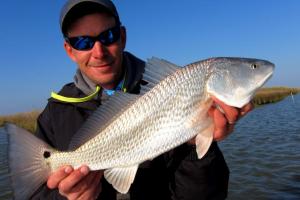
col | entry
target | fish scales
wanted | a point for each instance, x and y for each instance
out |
(171, 110)
(160, 110)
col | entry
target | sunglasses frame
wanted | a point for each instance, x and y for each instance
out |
(114, 31)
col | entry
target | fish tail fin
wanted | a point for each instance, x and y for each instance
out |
(28, 168)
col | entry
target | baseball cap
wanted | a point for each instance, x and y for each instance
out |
(74, 6)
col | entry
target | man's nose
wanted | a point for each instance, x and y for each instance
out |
(99, 50)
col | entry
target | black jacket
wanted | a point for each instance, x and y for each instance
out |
(177, 174)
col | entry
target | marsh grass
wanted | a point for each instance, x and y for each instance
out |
(25, 120)
(264, 96)
(273, 94)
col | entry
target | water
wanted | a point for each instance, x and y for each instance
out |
(263, 154)
(5, 190)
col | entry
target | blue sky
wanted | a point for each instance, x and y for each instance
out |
(33, 62)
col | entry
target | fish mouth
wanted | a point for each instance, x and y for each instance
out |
(246, 99)
(267, 77)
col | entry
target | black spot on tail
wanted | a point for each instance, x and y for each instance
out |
(47, 154)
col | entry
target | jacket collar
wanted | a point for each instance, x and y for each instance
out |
(83, 86)
(134, 67)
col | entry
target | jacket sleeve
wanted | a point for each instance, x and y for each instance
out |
(44, 132)
(192, 178)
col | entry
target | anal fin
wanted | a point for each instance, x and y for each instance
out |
(121, 178)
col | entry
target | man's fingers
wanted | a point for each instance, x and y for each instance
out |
(231, 113)
(97, 185)
(220, 123)
(220, 118)
(247, 108)
(66, 185)
(56, 177)
(93, 178)
(82, 187)
(88, 187)
(225, 117)
(75, 184)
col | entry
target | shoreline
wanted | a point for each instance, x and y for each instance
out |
(263, 96)
(273, 95)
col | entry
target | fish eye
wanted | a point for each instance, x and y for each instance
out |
(254, 66)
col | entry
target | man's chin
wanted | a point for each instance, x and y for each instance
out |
(106, 82)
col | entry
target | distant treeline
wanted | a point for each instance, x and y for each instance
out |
(263, 96)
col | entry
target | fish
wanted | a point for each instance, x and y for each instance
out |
(129, 129)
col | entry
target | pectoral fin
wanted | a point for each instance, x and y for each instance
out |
(204, 140)
(121, 178)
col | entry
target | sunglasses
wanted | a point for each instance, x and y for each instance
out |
(85, 43)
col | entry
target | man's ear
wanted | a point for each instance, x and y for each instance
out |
(123, 37)
(69, 51)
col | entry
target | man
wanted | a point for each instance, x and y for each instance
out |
(95, 41)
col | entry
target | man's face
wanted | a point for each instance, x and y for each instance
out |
(102, 64)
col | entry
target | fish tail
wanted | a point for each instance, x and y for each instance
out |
(28, 167)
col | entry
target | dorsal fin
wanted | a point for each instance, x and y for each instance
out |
(156, 70)
(104, 115)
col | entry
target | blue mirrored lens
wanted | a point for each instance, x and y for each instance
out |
(86, 42)
(110, 36)
(83, 43)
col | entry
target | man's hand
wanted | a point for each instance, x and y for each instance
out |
(225, 117)
(76, 184)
